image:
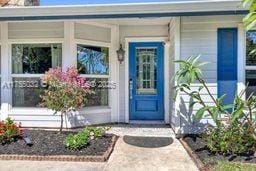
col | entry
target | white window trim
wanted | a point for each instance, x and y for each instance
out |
(36, 41)
(92, 43)
(248, 67)
(106, 76)
(243, 51)
(27, 41)
(69, 58)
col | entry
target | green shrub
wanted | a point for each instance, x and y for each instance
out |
(82, 138)
(232, 166)
(77, 141)
(231, 139)
(95, 132)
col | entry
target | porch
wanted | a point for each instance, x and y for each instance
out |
(66, 34)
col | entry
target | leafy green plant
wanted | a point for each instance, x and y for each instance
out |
(77, 141)
(229, 140)
(233, 166)
(82, 138)
(235, 133)
(9, 131)
(189, 73)
(250, 19)
(95, 132)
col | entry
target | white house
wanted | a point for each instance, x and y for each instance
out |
(153, 35)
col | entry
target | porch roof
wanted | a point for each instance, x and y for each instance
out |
(130, 10)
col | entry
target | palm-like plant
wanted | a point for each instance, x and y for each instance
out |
(241, 111)
(250, 19)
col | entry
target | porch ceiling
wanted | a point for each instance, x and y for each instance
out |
(140, 10)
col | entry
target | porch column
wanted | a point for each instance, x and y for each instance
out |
(69, 51)
(114, 74)
(5, 73)
(176, 106)
(241, 59)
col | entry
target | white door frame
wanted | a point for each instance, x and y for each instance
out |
(166, 73)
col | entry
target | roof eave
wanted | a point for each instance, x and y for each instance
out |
(124, 11)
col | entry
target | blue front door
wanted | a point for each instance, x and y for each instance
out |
(146, 83)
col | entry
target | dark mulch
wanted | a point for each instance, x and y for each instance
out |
(52, 143)
(198, 146)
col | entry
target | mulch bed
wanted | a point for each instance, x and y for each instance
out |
(49, 145)
(197, 149)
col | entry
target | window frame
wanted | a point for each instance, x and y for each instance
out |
(104, 76)
(248, 67)
(29, 41)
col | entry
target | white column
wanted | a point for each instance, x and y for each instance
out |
(176, 117)
(69, 47)
(167, 82)
(114, 74)
(68, 51)
(5, 72)
(241, 59)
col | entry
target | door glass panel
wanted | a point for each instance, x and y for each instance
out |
(146, 71)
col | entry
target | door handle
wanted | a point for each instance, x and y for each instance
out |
(131, 87)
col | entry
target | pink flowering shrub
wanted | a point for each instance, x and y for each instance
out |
(65, 91)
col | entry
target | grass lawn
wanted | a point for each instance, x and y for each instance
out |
(228, 166)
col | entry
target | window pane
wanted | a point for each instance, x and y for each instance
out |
(146, 73)
(99, 86)
(251, 82)
(35, 58)
(250, 46)
(26, 92)
(92, 60)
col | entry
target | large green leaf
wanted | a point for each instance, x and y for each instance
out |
(200, 113)
(237, 114)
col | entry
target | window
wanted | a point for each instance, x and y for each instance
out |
(93, 63)
(29, 62)
(250, 62)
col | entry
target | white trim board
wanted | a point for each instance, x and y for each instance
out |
(166, 73)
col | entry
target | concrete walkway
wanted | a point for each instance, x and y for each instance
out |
(128, 157)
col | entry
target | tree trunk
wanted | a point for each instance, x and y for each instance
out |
(61, 121)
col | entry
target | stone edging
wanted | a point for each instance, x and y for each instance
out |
(68, 158)
(191, 153)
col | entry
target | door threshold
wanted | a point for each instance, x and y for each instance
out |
(146, 122)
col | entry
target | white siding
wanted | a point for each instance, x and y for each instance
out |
(89, 32)
(199, 37)
(36, 30)
(46, 118)
(135, 31)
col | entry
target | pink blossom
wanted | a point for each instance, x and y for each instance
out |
(70, 77)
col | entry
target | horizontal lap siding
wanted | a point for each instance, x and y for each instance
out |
(199, 37)
(36, 30)
(53, 121)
